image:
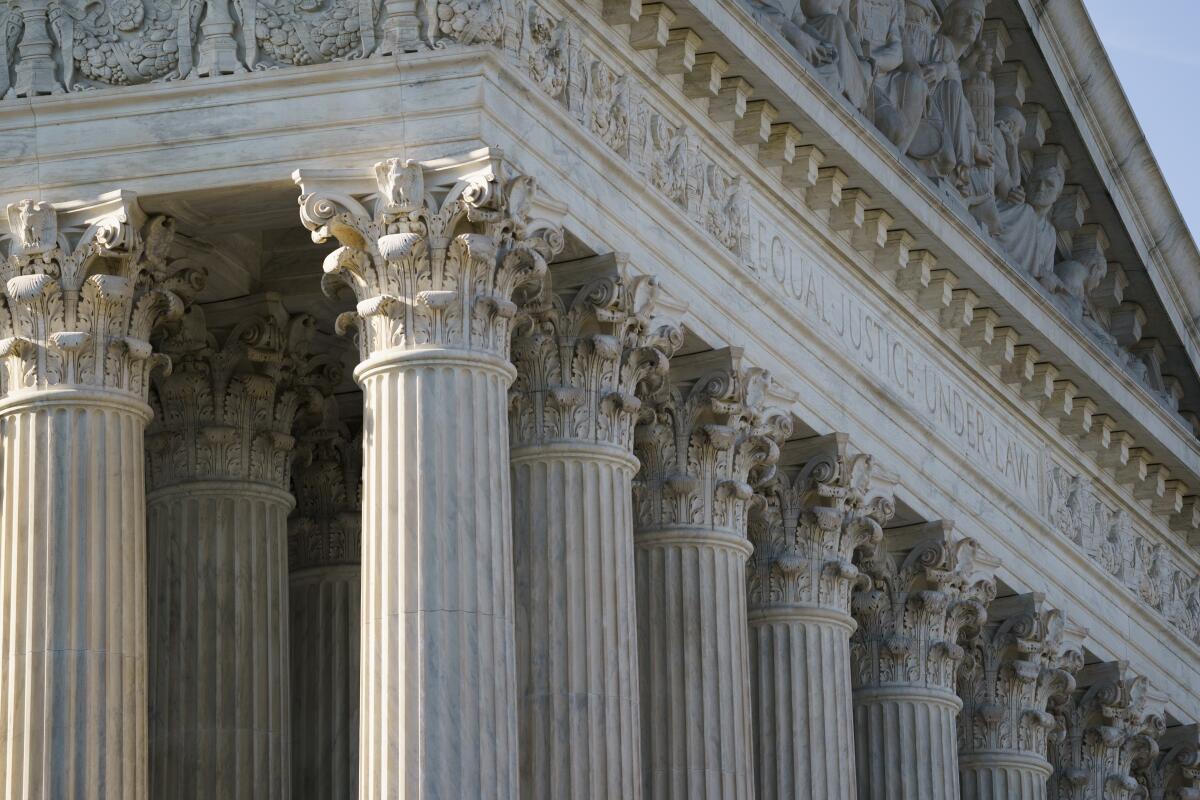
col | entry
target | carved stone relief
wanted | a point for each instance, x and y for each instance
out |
(1107, 534)
(925, 73)
(84, 291)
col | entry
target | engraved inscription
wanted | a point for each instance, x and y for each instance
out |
(909, 375)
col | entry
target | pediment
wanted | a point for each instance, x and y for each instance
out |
(1015, 115)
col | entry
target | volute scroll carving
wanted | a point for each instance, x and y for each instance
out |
(705, 439)
(1105, 731)
(438, 259)
(227, 410)
(919, 598)
(808, 521)
(85, 288)
(587, 352)
(1012, 669)
(1174, 774)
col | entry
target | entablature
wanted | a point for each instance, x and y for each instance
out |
(716, 182)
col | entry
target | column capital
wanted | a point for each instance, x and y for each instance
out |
(434, 251)
(921, 593)
(1014, 666)
(1174, 774)
(85, 286)
(1104, 729)
(808, 520)
(587, 350)
(705, 439)
(325, 528)
(242, 372)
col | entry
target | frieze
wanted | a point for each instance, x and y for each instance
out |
(934, 80)
(1135, 557)
(911, 376)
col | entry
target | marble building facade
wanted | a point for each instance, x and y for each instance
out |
(591, 399)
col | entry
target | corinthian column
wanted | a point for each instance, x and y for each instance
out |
(921, 596)
(83, 289)
(220, 452)
(582, 353)
(434, 266)
(324, 555)
(706, 440)
(1013, 667)
(808, 521)
(1173, 774)
(1104, 731)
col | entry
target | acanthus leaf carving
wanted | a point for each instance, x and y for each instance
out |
(435, 263)
(705, 439)
(85, 287)
(1013, 667)
(919, 598)
(808, 521)
(1104, 731)
(1174, 773)
(586, 353)
(325, 527)
(226, 410)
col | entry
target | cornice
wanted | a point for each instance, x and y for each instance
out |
(1123, 158)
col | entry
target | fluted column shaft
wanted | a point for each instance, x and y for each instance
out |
(1014, 667)
(693, 652)
(1009, 776)
(803, 736)
(919, 595)
(576, 634)
(435, 273)
(324, 631)
(438, 667)
(82, 289)
(810, 519)
(906, 745)
(218, 620)
(72, 575)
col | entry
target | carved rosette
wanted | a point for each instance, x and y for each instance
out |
(226, 411)
(583, 356)
(1174, 774)
(84, 289)
(1104, 733)
(806, 525)
(437, 261)
(704, 445)
(1012, 669)
(921, 597)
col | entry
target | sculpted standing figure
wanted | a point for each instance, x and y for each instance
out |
(947, 143)
(897, 91)
(1026, 232)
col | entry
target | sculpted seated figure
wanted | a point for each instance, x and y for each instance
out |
(1001, 180)
(1026, 233)
(827, 20)
(896, 89)
(821, 34)
(946, 142)
(815, 51)
(1075, 282)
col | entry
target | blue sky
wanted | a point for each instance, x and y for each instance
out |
(1155, 47)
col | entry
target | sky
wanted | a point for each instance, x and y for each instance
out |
(1155, 47)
